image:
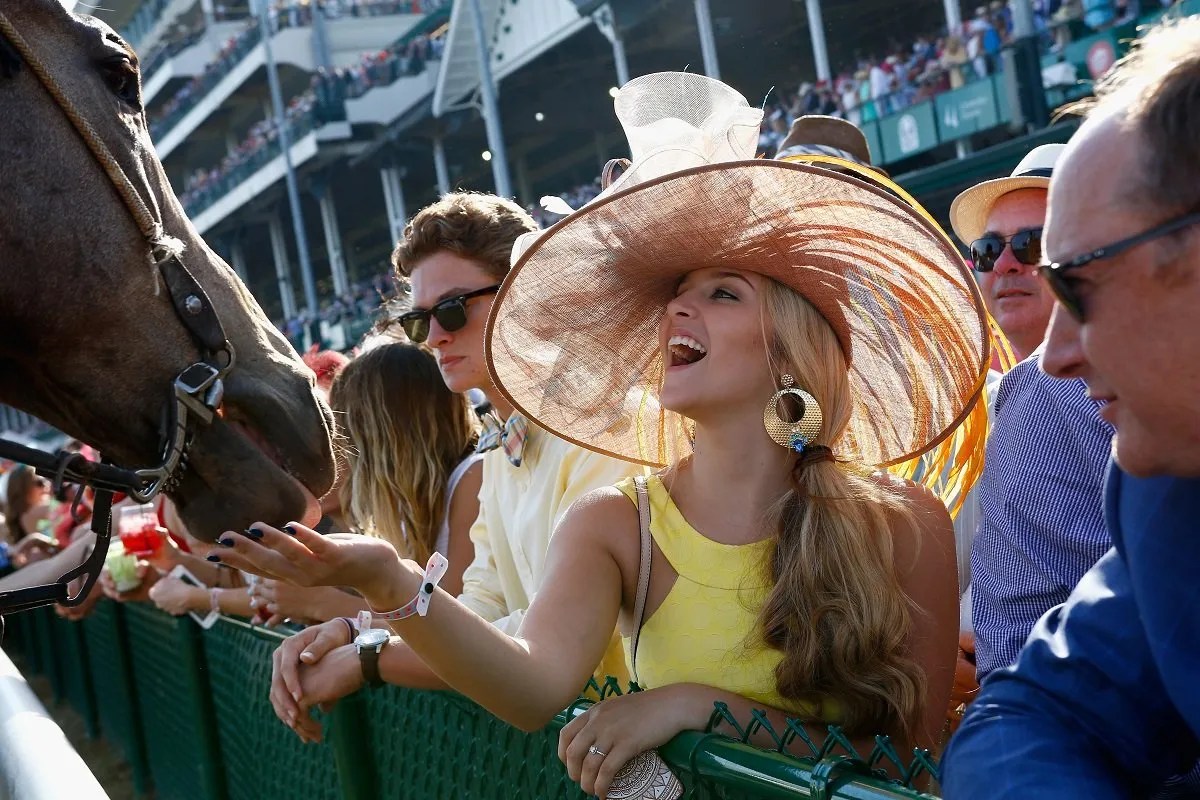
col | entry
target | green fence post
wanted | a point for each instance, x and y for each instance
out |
(72, 661)
(262, 757)
(346, 732)
(111, 669)
(182, 751)
(47, 658)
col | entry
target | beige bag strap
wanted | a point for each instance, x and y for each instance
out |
(643, 587)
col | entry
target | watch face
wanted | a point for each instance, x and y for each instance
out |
(372, 638)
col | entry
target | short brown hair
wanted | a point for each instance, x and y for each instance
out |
(1157, 88)
(482, 227)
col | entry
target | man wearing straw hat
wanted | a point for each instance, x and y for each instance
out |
(1103, 701)
(1040, 526)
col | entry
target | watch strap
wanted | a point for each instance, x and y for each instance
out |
(368, 657)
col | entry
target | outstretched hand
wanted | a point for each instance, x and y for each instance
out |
(301, 556)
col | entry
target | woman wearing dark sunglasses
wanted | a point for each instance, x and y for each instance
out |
(1001, 222)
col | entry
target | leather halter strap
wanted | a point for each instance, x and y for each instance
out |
(197, 390)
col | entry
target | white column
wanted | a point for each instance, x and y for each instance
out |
(283, 269)
(333, 238)
(439, 165)
(708, 43)
(491, 107)
(607, 23)
(237, 259)
(953, 17)
(816, 29)
(393, 196)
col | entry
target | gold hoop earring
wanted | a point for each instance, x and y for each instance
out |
(799, 434)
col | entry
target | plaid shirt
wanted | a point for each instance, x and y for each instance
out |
(1040, 499)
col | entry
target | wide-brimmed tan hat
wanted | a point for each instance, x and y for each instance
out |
(970, 210)
(573, 337)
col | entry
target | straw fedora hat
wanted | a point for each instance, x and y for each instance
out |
(572, 339)
(970, 210)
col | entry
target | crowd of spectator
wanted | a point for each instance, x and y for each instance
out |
(362, 302)
(323, 102)
(872, 88)
(260, 145)
(408, 56)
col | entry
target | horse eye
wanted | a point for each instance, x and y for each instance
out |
(122, 78)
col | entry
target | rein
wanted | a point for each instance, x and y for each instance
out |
(196, 392)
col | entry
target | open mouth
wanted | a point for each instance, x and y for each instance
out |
(266, 447)
(684, 350)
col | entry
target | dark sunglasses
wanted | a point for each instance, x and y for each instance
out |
(1059, 281)
(450, 313)
(1026, 246)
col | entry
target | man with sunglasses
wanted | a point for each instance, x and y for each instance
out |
(455, 254)
(1039, 525)
(1104, 700)
(1001, 222)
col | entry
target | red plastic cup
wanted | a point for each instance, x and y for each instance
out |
(138, 530)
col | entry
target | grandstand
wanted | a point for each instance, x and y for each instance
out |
(384, 108)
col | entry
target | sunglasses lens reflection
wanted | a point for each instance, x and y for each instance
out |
(985, 251)
(416, 328)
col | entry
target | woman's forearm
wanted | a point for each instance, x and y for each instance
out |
(522, 688)
(332, 603)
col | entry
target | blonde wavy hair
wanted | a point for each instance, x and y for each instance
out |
(405, 432)
(837, 611)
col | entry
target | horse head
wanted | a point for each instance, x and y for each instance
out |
(90, 338)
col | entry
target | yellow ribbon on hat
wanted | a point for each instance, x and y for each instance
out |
(953, 465)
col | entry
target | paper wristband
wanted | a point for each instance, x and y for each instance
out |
(434, 570)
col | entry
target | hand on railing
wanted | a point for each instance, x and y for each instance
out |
(598, 743)
(313, 669)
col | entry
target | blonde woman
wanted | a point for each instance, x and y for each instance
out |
(769, 334)
(412, 475)
(412, 471)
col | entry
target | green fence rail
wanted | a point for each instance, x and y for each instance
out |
(189, 711)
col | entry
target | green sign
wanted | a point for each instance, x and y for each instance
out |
(967, 110)
(908, 132)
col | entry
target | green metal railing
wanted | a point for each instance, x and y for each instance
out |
(189, 711)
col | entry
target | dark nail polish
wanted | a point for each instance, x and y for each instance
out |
(215, 559)
(226, 542)
(254, 533)
(289, 529)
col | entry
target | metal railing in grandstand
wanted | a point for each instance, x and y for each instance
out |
(16, 421)
(189, 711)
(294, 16)
(222, 182)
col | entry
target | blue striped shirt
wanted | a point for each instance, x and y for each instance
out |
(1041, 511)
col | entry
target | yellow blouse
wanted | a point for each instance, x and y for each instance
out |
(706, 630)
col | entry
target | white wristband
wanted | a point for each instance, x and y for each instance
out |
(419, 605)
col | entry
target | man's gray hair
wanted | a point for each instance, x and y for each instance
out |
(1156, 88)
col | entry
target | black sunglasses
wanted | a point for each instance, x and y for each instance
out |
(1059, 282)
(1026, 246)
(450, 313)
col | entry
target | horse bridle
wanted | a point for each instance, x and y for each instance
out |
(195, 393)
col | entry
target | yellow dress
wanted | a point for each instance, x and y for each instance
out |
(706, 630)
